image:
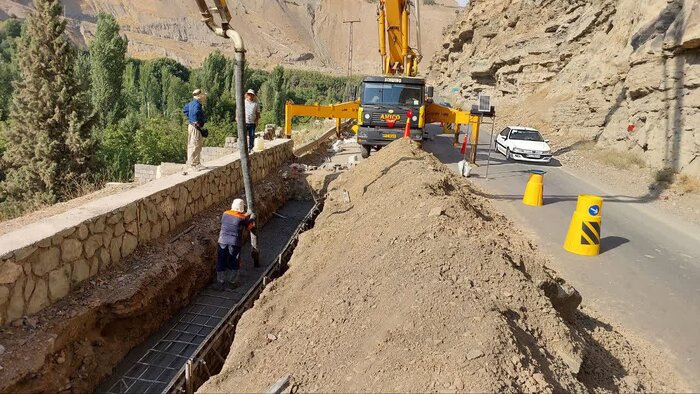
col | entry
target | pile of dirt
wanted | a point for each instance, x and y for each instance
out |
(409, 282)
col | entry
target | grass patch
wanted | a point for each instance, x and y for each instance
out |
(665, 175)
(689, 184)
(622, 160)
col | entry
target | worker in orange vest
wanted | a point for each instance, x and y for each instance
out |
(233, 222)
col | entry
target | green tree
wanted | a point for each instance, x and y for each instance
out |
(153, 95)
(108, 61)
(10, 31)
(49, 142)
(279, 96)
(117, 153)
(130, 89)
(177, 92)
(160, 140)
(212, 79)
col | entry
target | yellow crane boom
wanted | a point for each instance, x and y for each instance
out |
(398, 58)
(385, 101)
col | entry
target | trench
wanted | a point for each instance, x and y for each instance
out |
(192, 346)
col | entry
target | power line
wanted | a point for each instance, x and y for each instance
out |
(352, 23)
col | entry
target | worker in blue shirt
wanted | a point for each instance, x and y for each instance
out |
(194, 111)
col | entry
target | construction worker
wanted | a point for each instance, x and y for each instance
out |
(252, 116)
(194, 112)
(233, 223)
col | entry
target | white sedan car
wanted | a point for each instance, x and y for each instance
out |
(523, 143)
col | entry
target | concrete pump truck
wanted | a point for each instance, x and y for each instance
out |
(387, 103)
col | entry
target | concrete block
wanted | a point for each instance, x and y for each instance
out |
(71, 250)
(39, 298)
(81, 271)
(29, 287)
(115, 249)
(10, 272)
(15, 308)
(59, 282)
(4, 295)
(130, 213)
(48, 260)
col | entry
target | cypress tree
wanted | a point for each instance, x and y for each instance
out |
(108, 61)
(49, 143)
(279, 96)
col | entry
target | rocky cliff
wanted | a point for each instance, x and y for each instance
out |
(303, 33)
(625, 73)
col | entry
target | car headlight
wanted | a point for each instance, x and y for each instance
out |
(547, 152)
(517, 150)
(366, 116)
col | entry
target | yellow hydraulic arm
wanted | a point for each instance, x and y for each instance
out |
(338, 111)
(398, 58)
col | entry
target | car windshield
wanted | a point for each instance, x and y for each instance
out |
(392, 93)
(526, 135)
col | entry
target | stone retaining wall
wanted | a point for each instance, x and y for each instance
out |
(41, 263)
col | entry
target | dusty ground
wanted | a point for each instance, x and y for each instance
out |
(675, 195)
(311, 131)
(411, 283)
(73, 344)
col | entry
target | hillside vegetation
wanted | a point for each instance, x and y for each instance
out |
(92, 114)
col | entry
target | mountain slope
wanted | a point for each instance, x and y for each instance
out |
(625, 73)
(306, 33)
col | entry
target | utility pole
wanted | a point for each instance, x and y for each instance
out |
(351, 23)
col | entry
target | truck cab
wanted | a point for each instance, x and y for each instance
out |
(386, 104)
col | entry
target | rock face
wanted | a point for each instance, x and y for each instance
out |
(304, 33)
(621, 72)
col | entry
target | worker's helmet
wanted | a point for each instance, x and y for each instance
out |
(238, 205)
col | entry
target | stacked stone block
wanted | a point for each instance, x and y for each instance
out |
(39, 274)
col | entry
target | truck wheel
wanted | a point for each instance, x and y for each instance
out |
(378, 148)
(364, 151)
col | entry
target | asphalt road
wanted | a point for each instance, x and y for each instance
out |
(647, 277)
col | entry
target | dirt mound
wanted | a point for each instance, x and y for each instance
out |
(411, 283)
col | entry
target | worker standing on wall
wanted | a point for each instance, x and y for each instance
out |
(252, 116)
(194, 111)
(233, 222)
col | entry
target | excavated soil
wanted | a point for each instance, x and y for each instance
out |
(73, 344)
(409, 282)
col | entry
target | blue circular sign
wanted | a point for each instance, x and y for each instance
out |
(594, 210)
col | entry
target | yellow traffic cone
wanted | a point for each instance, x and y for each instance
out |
(534, 189)
(583, 237)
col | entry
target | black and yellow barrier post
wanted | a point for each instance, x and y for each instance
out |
(583, 237)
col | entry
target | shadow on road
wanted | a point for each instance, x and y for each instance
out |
(553, 199)
(611, 242)
(451, 156)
